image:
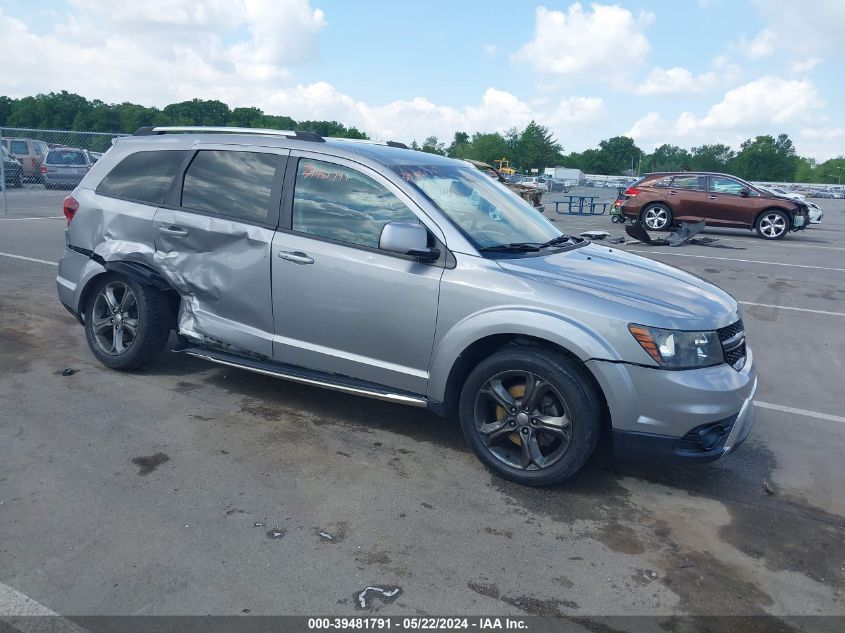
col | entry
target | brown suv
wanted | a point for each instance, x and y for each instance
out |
(661, 200)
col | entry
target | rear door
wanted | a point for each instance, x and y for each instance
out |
(687, 196)
(726, 206)
(342, 305)
(215, 237)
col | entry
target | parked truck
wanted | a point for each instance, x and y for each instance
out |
(572, 177)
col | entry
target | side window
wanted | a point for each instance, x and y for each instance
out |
(688, 182)
(662, 182)
(720, 184)
(143, 176)
(19, 147)
(227, 182)
(343, 204)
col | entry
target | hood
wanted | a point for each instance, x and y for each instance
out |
(657, 294)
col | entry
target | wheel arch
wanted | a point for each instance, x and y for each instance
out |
(136, 271)
(789, 214)
(475, 352)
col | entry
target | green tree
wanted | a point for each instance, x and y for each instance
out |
(536, 148)
(432, 146)
(487, 147)
(714, 157)
(198, 112)
(831, 171)
(616, 156)
(766, 158)
(460, 146)
(666, 158)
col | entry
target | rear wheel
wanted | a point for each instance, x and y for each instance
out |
(17, 183)
(657, 217)
(772, 225)
(126, 323)
(530, 415)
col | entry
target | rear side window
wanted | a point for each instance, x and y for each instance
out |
(343, 204)
(143, 176)
(19, 147)
(59, 157)
(666, 181)
(237, 184)
(688, 182)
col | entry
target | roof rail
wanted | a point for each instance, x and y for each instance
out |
(297, 134)
(369, 142)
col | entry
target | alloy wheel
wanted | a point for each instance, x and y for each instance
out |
(522, 420)
(656, 218)
(115, 318)
(772, 225)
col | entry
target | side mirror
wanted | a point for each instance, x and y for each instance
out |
(407, 238)
(745, 192)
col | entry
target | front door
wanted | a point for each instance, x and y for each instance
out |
(215, 241)
(726, 204)
(341, 305)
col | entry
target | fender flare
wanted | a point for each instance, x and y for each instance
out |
(571, 335)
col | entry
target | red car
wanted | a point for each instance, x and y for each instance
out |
(661, 200)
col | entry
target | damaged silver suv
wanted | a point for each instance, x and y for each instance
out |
(384, 272)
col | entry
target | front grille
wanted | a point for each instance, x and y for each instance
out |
(733, 344)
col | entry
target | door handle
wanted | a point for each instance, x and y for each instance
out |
(673, 193)
(296, 257)
(175, 231)
(713, 197)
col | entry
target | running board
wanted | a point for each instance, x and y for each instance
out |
(304, 376)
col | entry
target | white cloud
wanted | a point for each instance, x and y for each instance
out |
(605, 39)
(813, 27)
(804, 65)
(766, 105)
(677, 80)
(761, 46)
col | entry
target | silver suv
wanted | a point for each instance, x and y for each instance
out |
(384, 272)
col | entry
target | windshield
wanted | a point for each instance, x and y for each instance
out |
(487, 212)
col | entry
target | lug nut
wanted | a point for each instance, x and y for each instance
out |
(513, 423)
(524, 431)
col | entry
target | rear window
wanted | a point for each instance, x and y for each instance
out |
(65, 157)
(19, 147)
(236, 184)
(143, 176)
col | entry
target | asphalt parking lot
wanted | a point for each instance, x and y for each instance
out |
(187, 488)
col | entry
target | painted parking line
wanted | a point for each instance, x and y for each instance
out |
(29, 259)
(52, 217)
(14, 604)
(769, 305)
(732, 259)
(809, 414)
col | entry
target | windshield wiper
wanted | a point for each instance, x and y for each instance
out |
(560, 239)
(513, 247)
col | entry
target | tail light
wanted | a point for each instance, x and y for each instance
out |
(69, 207)
(43, 168)
(631, 191)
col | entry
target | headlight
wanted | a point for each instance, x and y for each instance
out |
(674, 349)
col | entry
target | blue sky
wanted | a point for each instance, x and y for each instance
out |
(685, 73)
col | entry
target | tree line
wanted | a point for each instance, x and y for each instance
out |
(762, 158)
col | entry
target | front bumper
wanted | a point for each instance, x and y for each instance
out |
(697, 414)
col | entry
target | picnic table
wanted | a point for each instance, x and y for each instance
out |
(581, 205)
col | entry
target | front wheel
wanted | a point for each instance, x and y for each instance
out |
(530, 415)
(126, 323)
(772, 225)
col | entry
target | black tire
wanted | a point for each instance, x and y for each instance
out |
(773, 225)
(149, 315)
(663, 212)
(561, 392)
(18, 181)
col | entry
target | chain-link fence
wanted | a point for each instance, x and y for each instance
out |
(37, 162)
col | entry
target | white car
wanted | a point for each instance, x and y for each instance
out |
(816, 214)
(535, 181)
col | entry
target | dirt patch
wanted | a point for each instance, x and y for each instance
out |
(148, 464)
(496, 532)
(373, 558)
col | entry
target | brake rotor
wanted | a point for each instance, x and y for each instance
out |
(516, 391)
